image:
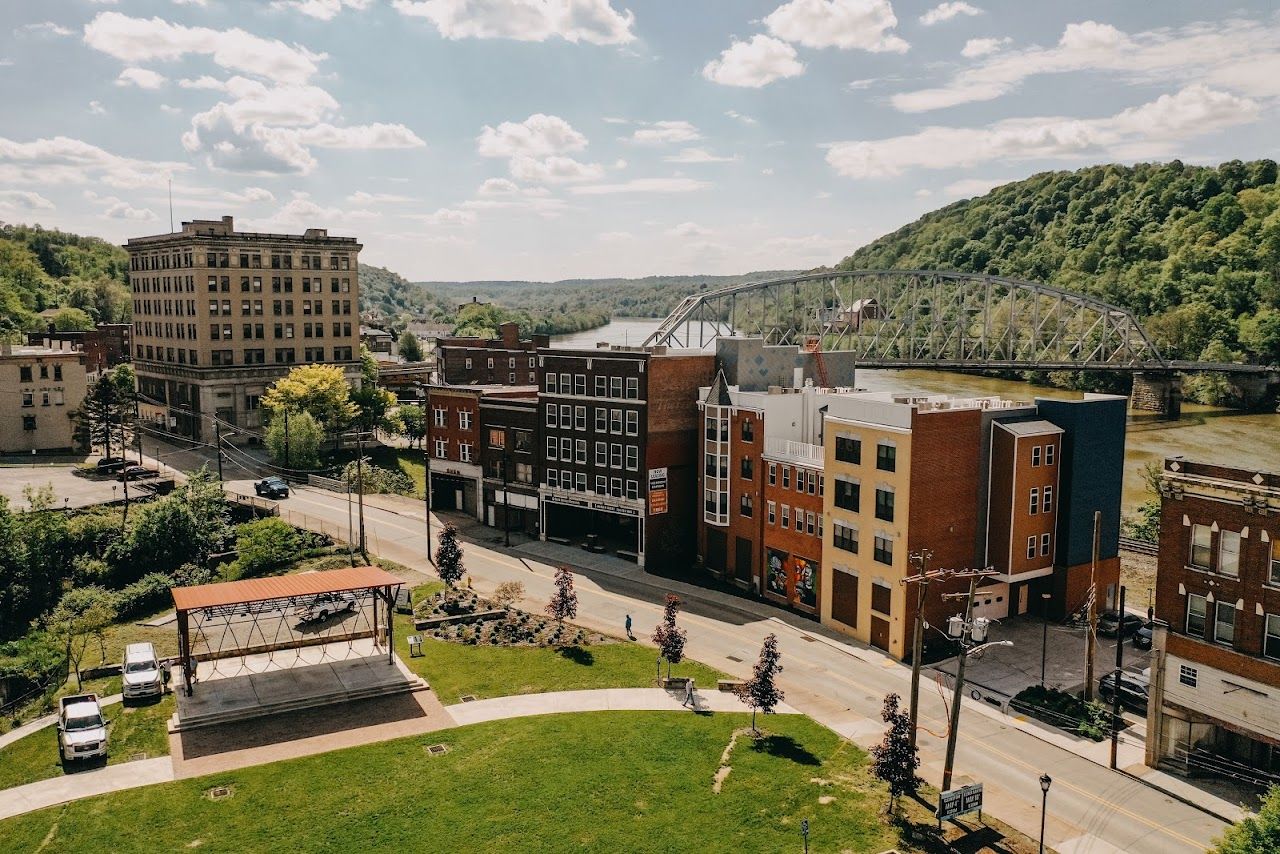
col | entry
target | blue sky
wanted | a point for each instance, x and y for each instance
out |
(545, 139)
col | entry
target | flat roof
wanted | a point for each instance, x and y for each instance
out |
(281, 587)
(1039, 427)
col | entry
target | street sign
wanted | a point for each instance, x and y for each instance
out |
(957, 802)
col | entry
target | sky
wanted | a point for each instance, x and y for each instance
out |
(550, 139)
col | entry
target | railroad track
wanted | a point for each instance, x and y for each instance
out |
(1142, 547)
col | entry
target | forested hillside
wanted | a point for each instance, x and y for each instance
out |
(1194, 251)
(44, 268)
(396, 298)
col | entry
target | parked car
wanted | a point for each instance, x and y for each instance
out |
(1114, 624)
(82, 730)
(272, 487)
(136, 473)
(325, 604)
(1133, 690)
(110, 464)
(1142, 637)
(141, 672)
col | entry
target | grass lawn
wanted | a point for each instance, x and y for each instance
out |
(133, 729)
(603, 781)
(407, 460)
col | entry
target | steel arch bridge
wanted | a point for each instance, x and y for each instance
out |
(926, 319)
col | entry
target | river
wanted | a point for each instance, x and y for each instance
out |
(1210, 434)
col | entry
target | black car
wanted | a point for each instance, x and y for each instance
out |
(110, 464)
(136, 473)
(272, 487)
(1133, 690)
(1142, 637)
(1112, 624)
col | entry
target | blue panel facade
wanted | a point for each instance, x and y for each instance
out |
(1091, 472)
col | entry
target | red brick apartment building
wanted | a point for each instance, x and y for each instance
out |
(505, 360)
(1215, 675)
(454, 444)
(619, 433)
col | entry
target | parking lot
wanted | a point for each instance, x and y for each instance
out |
(69, 491)
(1006, 670)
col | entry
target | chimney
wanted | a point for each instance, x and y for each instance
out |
(510, 334)
(229, 223)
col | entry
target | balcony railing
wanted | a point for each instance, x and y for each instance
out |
(796, 452)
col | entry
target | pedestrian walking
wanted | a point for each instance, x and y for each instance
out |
(690, 699)
(628, 624)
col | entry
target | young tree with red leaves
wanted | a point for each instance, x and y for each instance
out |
(564, 602)
(668, 636)
(761, 691)
(896, 760)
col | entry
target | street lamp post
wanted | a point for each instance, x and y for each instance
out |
(1044, 641)
(1045, 782)
(426, 466)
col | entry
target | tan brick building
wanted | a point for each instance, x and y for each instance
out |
(42, 388)
(218, 315)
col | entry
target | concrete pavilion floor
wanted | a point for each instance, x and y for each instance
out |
(237, 689)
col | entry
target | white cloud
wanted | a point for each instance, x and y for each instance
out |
(204, 81)
(143, 78)
(699, 155)
(251, 194)
(135, 40)
(975, 48)
(302, 212)
(324, 10)
(746, 120)
(593, 21)
(289, 104)
(947, 11)
(822, 194)
(171, 110)
(25, 200)
(63, 160)
(537, 136)
(753, 64)
(360, 197)
(642, 185)
(378, 135)
(688, 229)
(846, 24)
(445, 216)
(96, 108)
(667, 131)
(45, 28)
(1234, 54)
(614, 120)
(498, 187)
(114, 208)
(553, 170)
(923, 193)
(766, 172)
(1146, 131)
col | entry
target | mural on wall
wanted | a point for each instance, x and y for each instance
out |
(806, 576)
(776, 573)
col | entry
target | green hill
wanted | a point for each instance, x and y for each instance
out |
(1194, 251)
(45, 268)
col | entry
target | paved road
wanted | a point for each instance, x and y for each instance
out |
(1091, 809)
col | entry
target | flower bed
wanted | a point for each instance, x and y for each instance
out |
(464, 617)
(1065, 711)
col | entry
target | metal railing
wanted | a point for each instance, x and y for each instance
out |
(786, 449)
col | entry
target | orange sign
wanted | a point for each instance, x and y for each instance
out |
(657, 501)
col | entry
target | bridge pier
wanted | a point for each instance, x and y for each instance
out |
(1158, 391)
(1256, 391)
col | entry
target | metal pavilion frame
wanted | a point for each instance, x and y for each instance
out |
(268, 618)
(925, 318)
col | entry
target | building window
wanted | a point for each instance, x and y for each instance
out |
(1034, 506)
(442, 449)
(580, 481)
(615, 386)
(881, 597)
(615, 421)
(550, 383)
(566, 416)
(602, 420)
(553, 478)
(1044, 545)
(579, 383)
(566, 449)
(772, 508)
(633, 423)
(602, 485)
(497, 437)
(1224, 622)
(786, 477)
(1195, 615)
(884, 505)
(580, 451)
(1048, 454)
(744, 506)
(1047, 494)
(1229, 552)
(786, 516)
(633, 458)
(602, 453)
(848, 494)
(1031, 547)
(844, 537)
(633, 490)
(748, 430)
(633, 388)
(747, 468)
(1275, 561)
(28, 398)
(1187, 675)
(1035, 456)
(438, 415)
(28, 422)
(615, 456)
(883, 551)
(848, 449)
(601, 386)
(615, 487)
(580, 418)
(1201, 555)
(808, 523)
(886, 457)
(773, 474)
(464, 451)
(553, 447)
(1271, 640)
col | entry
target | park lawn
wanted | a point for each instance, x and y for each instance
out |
(601, 781)
(133, 729)
(407, 460)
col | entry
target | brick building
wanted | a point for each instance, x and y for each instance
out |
(1215, 673)
(510, 457)
(505, 360)
(619, 428)
(104, 346)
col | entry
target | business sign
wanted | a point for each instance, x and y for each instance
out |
(957, 802)
(658, 478)
(657, 501)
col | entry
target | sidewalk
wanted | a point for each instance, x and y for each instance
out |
(48, 720)
(86, 784)
(598, 700)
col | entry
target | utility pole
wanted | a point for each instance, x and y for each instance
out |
(217, 432)
(360, 485)
(426, 468)
(286, 438)
(920, 560)
(506, 497)
(1115, 686)
(953, 729)
(351, 553)
(137, 431)
(1091, 611)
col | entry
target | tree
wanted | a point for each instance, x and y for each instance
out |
(210, 516)
(82, 615)
(896, 760)
(410, 347)
(564, 602)
(304, 435)
(265, 544)
(319, 390)
(508, 593)
(1260, 335)
(72, 320)
(107, 411)
(1259, 832)
(413, 423)
(761, 691)
(162, 535)
(449, 557)
(669, 637)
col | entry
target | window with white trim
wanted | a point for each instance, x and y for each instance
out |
(1224, 622)
(786, 516)
(580, 418)
(1048, 498)
(1188, 676)
(633, 423)
(633, 458)
(1034, 504)
(602, 453)
(464, 419)
(1031, 547)
(1048, 453)
(1035, 456)
(441, 449)
(580, 451)
(1229, 552)
(1271, 636)
(602, 419)
(553, 447)
(602, 485)
(772, 507)
(1044, 545)
(566, 449)
(1201, 551)
(1196, 611)
(633, 489)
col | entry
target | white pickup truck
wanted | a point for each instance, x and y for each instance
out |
(82, 729)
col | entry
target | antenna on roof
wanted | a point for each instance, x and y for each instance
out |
(171, 204)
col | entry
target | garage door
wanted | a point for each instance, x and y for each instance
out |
(992, 602)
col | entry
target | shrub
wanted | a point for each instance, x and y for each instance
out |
(508, 593)
(378, 480)
(144, 596)
(264, 545)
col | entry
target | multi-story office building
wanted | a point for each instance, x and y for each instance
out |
(1214, 704)
(619, 429)
(42, 387)
(505, 360)
(454, 444)
(510, 456)
(218, 315)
